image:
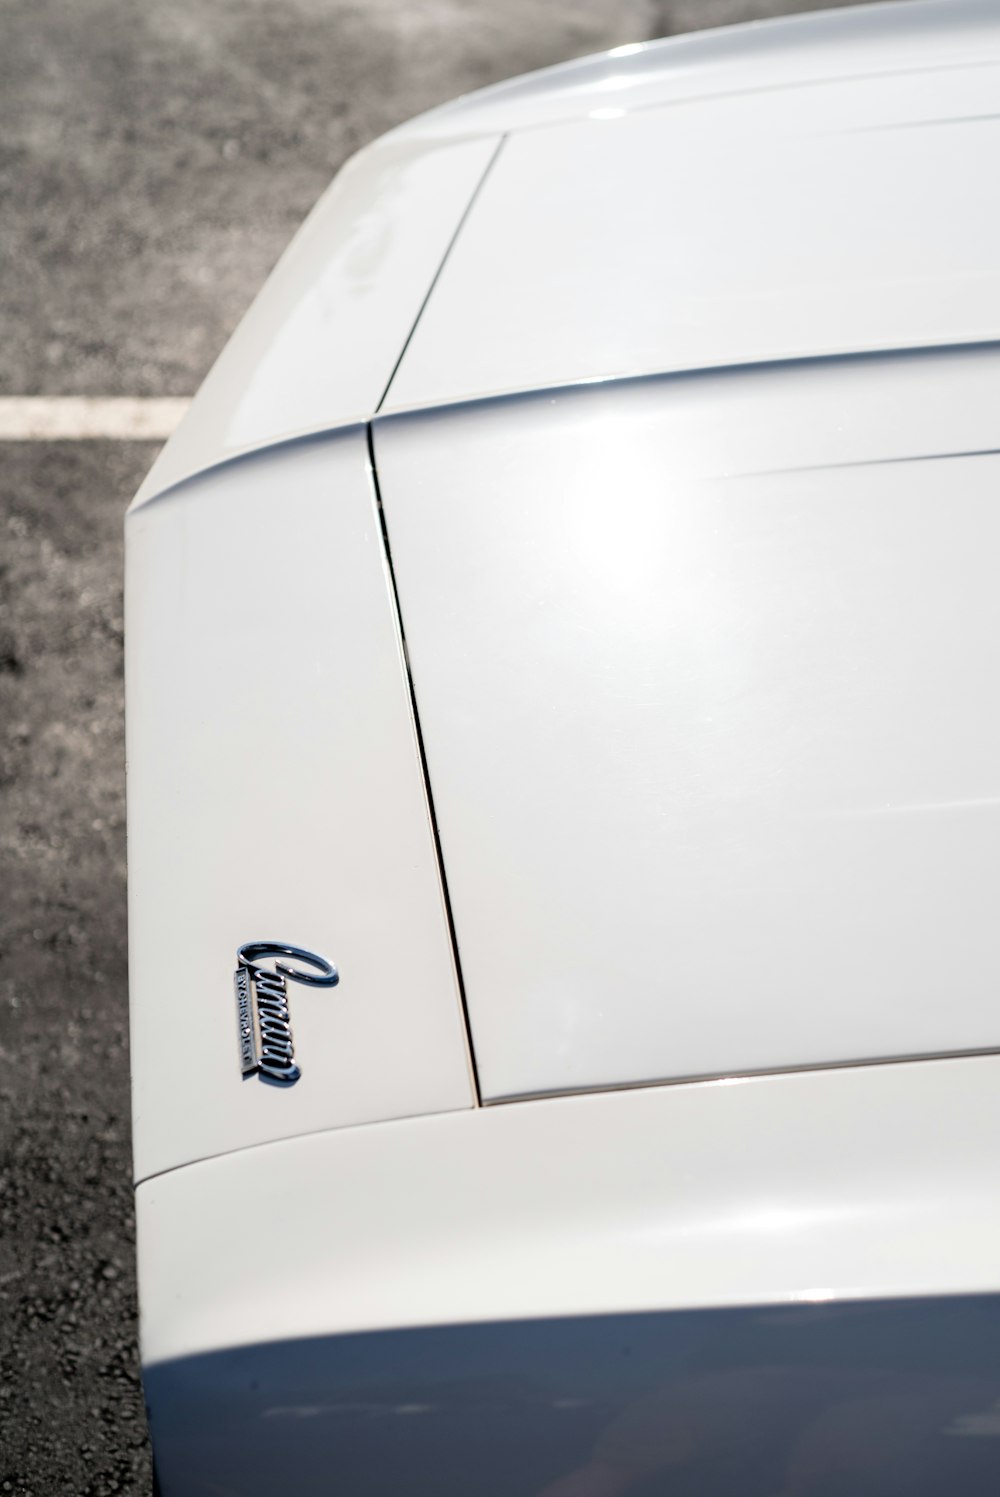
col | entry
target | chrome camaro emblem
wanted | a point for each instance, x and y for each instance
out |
(265, 1030)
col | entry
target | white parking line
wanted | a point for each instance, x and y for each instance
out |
(75, 418)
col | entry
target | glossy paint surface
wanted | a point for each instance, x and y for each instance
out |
(275, 793)
(321, 342)
(868, 40)
(818, 1401)
(319, 345)
(705, 667)
(860, 1183)
(771, 224)
(706, 676)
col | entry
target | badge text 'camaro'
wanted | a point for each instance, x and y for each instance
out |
(265, 1031)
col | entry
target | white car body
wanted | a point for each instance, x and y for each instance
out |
(653, 400)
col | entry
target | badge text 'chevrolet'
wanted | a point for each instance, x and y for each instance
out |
(266, 1045)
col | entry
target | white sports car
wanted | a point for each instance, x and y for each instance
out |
(570, 617)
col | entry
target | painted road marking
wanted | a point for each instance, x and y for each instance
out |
(74, 418)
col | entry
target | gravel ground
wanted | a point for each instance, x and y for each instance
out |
(71, 1414)
(154, 161)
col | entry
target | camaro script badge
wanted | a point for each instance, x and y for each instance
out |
(265, 1029)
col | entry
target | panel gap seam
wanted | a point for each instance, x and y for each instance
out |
(432, 814)
(437, 274)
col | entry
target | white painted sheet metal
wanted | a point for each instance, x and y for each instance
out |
(768, 225)
(793, 1188)
(707, 671)
(859, 40)
(318, 346)
(275, 793)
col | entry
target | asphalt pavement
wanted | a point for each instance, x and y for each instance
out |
(154, 160)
